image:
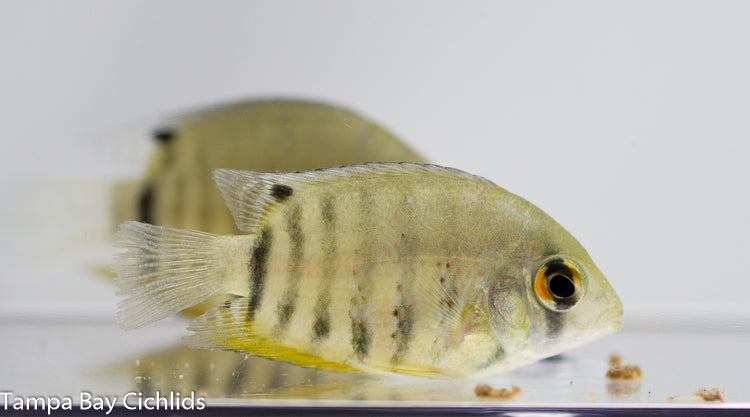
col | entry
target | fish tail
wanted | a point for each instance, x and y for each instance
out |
(166, 270)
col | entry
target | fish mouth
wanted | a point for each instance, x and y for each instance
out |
(610, 324)
(616, 324)
(613, 321)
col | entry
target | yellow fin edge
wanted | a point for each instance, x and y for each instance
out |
(264, 346)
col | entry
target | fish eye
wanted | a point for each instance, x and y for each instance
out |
(559, 284)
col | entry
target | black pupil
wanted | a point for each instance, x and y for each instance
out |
(561, 286)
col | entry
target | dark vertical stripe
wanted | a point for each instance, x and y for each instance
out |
(554, 321)
(360, 338)
(322, 323)
(404, 316)
(327, 211)
(146, 204)
(403, 312)
(360, 332)
(286, 310)
(178, 205)
(288, 303)
(201, 375)
(164, 134)
(322, 320)
(277, 381)
(553, 324)
(296, 238)
(144, 384)
(258, 266)
(237, 382)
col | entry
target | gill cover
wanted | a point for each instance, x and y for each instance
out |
(508, 313)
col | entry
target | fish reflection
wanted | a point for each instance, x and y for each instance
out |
(223, 374)
(217, 374)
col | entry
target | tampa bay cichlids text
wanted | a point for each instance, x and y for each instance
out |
(88, 401)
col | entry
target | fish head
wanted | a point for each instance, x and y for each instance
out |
(553, 298)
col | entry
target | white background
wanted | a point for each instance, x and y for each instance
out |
(628, 122)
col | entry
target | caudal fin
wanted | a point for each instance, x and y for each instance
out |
(165, 270)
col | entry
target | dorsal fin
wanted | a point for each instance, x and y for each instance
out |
(251, 196)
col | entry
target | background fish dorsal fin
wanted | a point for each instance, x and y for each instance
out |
(251, 196)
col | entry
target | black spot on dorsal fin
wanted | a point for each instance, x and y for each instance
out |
(281, 192)
(164, 134)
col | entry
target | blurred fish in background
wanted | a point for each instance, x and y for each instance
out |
(273, 135)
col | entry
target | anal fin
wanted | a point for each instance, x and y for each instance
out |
(226, 326)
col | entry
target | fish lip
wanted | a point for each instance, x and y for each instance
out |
(613, 320)
(610, 324)
(616, 323)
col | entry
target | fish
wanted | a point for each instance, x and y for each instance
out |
(173, 186)
(260, 134)
(264, 135)
(382, 267)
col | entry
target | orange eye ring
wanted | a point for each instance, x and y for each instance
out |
(559, 284)
(540, 285)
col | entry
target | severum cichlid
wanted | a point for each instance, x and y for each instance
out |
(263, 135)
(407, 268)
